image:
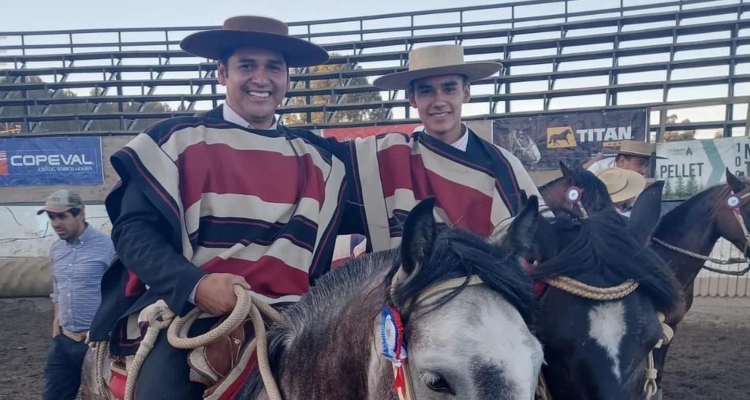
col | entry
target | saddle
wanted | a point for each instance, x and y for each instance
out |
(220, 363)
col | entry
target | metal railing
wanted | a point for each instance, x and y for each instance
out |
(544, 46)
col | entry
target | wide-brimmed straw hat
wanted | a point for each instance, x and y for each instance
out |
(622, 184)
(636, 148)
(254, 31)
(437, 60)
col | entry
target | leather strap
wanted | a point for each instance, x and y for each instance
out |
(75, 336)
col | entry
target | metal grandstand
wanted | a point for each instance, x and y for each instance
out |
(557, 54)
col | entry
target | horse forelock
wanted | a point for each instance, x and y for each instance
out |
(461, 254)
(599, 250)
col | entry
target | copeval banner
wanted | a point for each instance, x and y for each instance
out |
(343, 134)
(51, 161)
(694, 165)
(541, 142)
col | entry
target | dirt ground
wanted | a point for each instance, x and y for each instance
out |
(709, 358)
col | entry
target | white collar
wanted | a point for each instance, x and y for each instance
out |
(232, 116)
(462, 143)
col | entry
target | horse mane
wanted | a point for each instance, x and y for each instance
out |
(600, 251)
(595, 196)
(551, 183)
(459, 253)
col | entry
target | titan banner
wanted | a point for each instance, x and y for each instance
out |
(541, 142)
(51, 161)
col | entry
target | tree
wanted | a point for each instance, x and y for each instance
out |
(674, 136)
(81, 108)
(667, 191)
(679, 189)
(692, 187)
(374, 114)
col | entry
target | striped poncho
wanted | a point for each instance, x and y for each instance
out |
(265, 205)
(478, 189)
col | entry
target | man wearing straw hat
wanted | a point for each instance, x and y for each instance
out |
(633, 155)
(623, 186)
(478, 185)
(213, 201)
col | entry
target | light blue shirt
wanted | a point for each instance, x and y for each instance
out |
(77, 270)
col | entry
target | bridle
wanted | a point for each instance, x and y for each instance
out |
(391, 330)
(734, 203)
(580, 289)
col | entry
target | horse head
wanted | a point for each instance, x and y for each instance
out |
(448, 313)
(599, 317)
(593, 196)
(732, 212)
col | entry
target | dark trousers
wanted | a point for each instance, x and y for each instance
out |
(62, 374)
(166, 374)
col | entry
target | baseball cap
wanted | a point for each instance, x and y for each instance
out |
(61, 201)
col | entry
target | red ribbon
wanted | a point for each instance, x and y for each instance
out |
(539, 287)
(399, 382)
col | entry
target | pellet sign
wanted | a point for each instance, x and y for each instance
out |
(693, 165)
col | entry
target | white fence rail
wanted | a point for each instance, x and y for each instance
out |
(713, 284)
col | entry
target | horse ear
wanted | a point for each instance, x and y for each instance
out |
(734, 182)
(646, 212)
(520, 234)
(420, 230)
(567, 172)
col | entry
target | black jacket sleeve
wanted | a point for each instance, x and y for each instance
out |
(140, 235)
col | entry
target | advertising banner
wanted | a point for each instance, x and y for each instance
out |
(694, 165)
(51, 161)
(541, 142)
(343, 134)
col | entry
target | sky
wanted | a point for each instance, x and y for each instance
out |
(32, 15)
(82, 14)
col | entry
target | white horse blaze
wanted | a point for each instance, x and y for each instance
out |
(496, 333)
(607, 327)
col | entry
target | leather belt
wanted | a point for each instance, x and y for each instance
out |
(75, 336)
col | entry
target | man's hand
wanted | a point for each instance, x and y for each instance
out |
(215, 293)
(55, 328)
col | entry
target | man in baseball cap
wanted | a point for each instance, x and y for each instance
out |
(79, 258)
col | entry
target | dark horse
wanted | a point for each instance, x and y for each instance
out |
(470, 341)
(598, 341)
(684, 237)
(687, 234)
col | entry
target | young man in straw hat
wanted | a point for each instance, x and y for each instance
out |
(213, 201)
(623, 186)
(633, 155)
(478, 185)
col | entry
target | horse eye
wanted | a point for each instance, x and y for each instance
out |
(436, 382)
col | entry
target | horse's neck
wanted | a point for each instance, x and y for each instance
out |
(331, 357)
(694, 230)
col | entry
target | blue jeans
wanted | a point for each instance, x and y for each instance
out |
(62, 374)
